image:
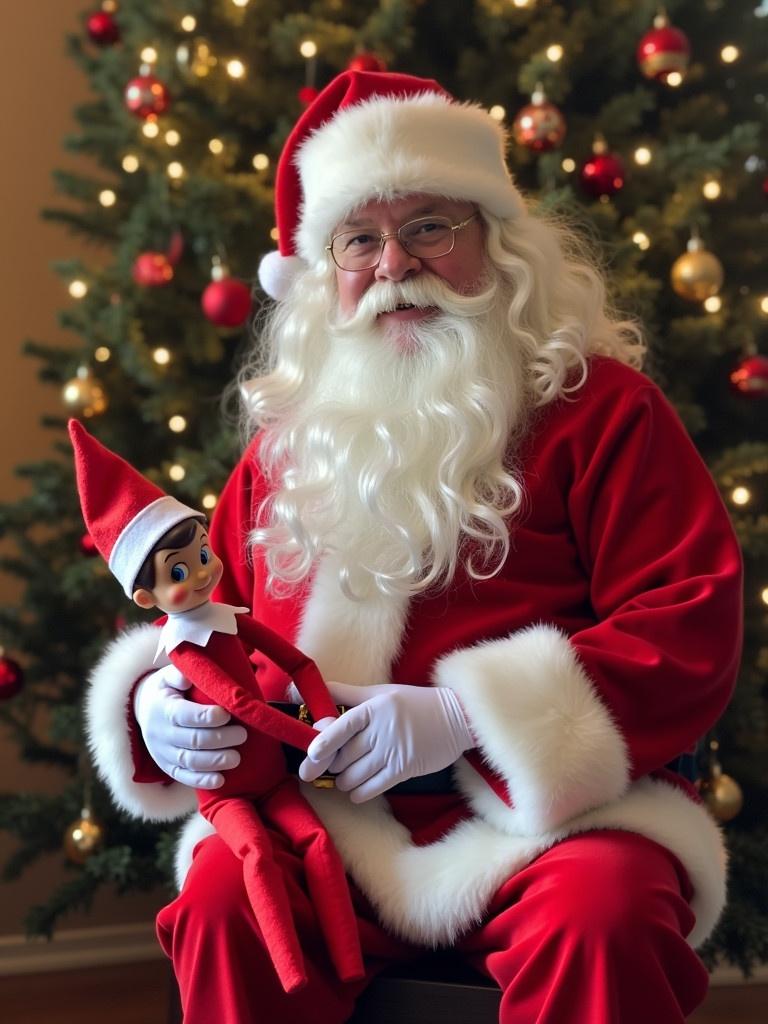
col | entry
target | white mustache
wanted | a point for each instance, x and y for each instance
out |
(425, 292)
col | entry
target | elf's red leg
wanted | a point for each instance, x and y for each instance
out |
(287, 810)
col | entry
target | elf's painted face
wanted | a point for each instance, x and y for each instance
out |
(184, 577)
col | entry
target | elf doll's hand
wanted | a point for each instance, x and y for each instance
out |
(190, 742)
(391, 733)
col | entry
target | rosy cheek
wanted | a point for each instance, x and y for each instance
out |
(178, 594)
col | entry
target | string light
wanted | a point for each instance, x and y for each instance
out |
(175, 170)
(172, 137)
(149, 55)
(713, 304)
(729, 54)
(274, 234)
(177, 424)
(188, 23)
(240, 3)
(643, 156)
(711, 189)
(235, 68)
(497, 112)
(673, 79)
(521, 3)
(161, 356)
(150, 128)
(209, 500)
(740, 495)
(102, 354)
(764, 304)
(764, 595)
(216, 146)
(78, 289)
(261, 161)
(130, 163)
(308, 48)
(107, 197)
(554, 53)
(568, 165)
(641, 240)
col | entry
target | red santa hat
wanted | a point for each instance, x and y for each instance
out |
(376, 135)
(126, 514)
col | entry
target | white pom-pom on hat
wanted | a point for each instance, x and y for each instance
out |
(277, 273)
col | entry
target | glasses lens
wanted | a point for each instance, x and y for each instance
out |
(427, 237)
(356, 250)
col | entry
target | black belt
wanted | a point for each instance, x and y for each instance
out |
(435, 782)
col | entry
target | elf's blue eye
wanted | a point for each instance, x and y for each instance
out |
(179, 572)
(205, 555)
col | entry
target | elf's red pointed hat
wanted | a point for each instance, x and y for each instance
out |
(378, 135)
(125, 513)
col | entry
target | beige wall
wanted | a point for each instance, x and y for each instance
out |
(40, 87)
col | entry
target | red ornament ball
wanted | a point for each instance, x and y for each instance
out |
(539, 126)
(152, 269)
(663, 50)
(307, 93)
(11, 678)
(765, 187)
(146, 95)
(88, 546)
(227, 302)
(102, 28)
(750, 377)
(366, 62)
(603, 175)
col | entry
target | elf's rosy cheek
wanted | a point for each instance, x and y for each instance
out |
(178, 594)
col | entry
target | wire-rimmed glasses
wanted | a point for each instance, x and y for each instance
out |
(426, 238)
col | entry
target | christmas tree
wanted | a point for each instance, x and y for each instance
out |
(648, 134)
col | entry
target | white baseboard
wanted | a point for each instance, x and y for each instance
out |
(132, 943)
(79, 947)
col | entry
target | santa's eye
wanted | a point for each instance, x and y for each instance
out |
(179, 572)
(205, 555)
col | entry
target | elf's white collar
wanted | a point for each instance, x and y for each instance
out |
(196, 626)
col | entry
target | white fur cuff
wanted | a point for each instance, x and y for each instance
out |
(541, 727)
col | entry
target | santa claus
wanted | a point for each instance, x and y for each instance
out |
(464, 501)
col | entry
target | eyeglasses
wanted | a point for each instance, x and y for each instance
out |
(426, 238)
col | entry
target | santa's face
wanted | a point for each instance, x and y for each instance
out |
(461, 269)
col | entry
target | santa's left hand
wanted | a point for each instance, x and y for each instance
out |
(391, 733)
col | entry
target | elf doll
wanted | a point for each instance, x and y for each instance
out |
(159, 551)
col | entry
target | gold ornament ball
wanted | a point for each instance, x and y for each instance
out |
(696, 275)
(83, 837)
(84, 395)
(723, 796)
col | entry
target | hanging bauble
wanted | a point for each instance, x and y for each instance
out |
(226, 301)
(195, 58)
(539, 126)
(750, 377)
(146, 96)
(102, 28)
(87, 546)
(307, 94)
(11, 676)
(765, 187)
(721, 794)
(698, 273)
(83, 395)
(83, 837)
(366, 61)
(663, 50)
(603, 174)
(152, 269)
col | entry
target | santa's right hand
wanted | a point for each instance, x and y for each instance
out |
(190, 742)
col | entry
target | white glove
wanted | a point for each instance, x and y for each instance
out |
(190, 742)
(391, 733)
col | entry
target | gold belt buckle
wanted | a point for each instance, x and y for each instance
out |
(327, 780)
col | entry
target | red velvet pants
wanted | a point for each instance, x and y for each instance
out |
(593, 930)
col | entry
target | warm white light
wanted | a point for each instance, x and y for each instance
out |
(161, 356)
(209, 501)
(764, 595)
(240, 3)
(149, 55)
(175, 170)
(308, 48)
(568, 165)
(641, 240)
(177, 424)
(764, 304)
(713, 304)
(643, 156)
(711, 189)
(189, 23)
(555, 53)
(107, 197)
(216, 146)
(235, 68)
(176, 472)
(740, 495)
(261, 161)
(102, 354)
(172, 137)
(497, 112)
(729, 54)
(150, 129)
(673, 79)
(274, 234)
(130, 163)
(78, 289)
(520, 3)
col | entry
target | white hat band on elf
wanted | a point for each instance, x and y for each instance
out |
(375, 135)
(126, 514)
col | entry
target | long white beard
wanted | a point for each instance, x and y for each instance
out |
(396, 461)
